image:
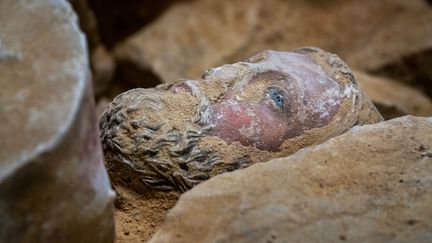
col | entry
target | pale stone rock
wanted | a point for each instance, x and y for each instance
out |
(103, 67)
(371, 184)
(392, 98)
(53, 184)
(193, 36)
(413, 69)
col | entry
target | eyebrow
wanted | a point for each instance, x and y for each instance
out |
(269, 75)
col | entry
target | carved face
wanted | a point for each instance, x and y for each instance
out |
(291, 95)
(164, 138)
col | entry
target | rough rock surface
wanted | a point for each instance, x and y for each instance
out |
(87, 21)
(413, 69)
(181, 44)
(177, 135)
(53, 184)
(392, 98)
(101, 61)
(103, 68)
(371, 184)
(118, 19)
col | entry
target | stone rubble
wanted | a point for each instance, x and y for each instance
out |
(194, 35)
(371, 184)
(392, 98)
(53, 183)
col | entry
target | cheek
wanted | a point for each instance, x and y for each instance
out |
(273, 128)
(256, 126)
(229, 120)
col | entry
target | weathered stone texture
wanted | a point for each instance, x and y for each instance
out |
(101, 61)
(371, 184)
(392, 98)
(270, 105)
(53, 184)
(192, 36)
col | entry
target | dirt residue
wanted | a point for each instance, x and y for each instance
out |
(137, 216)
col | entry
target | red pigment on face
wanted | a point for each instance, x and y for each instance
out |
(249, 124)
(292, 94)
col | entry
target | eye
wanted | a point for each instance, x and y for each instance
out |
(277, 96)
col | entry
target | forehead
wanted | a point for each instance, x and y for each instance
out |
(297, 65)
(288, 66)
(287, 60)
(269, 76)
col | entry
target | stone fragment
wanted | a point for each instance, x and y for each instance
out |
(413, 69)
(119, 19)
(371, 184)
(188, 38)
(87, 21)
(177, 135)
(103, 68)
(101, 106)
(392, 98)
(192, 36)
(101, 61)
(53, 184)
(139, 216)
